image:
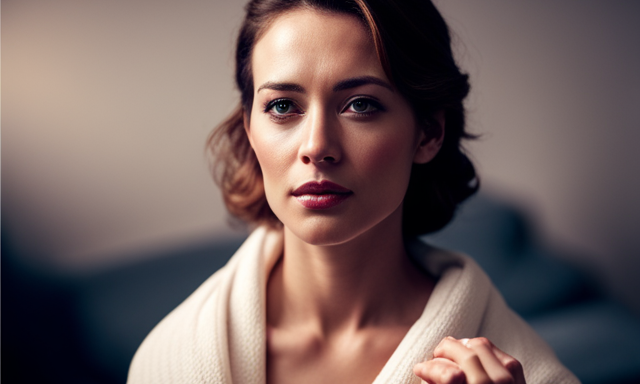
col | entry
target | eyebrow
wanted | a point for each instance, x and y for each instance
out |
(281, 87)
(359, 81)
(340, 86)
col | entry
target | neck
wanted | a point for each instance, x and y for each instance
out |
(367, 281)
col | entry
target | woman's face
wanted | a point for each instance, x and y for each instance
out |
(334, 139)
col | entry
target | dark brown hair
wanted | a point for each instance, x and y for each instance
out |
(414, 47)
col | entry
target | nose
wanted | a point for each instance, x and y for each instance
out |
(321, 143)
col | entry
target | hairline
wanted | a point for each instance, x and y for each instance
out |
(364, 18)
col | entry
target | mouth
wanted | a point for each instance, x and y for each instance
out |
(321, 195)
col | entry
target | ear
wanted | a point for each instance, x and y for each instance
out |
(430, 140)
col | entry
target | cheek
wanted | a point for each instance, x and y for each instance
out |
(268, 156)
(273, 154)
(387, 156)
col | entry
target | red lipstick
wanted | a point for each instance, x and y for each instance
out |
(321, 195)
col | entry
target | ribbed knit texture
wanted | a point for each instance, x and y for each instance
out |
(218, 334)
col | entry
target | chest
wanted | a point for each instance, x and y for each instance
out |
(299, 357)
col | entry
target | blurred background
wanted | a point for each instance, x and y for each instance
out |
(106, 107)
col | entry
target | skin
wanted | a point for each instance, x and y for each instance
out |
(474, 360)
(344, 293)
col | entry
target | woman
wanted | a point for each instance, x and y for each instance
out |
(346, 145)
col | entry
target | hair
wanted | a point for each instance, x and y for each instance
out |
(413, 45)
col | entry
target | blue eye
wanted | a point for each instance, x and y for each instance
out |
(281, 110)
(363, 107)
(360, 105)
(282, 106)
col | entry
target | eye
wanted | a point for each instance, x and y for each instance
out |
(280, 110)
(281, 107)
(363, 107)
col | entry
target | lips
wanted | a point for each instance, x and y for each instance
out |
(321, 195)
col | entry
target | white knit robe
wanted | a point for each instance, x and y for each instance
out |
(218, 334)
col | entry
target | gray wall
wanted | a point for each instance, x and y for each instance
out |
(106, 107)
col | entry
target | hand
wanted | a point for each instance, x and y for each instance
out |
(469, 361)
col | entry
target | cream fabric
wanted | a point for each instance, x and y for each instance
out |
(218, 334)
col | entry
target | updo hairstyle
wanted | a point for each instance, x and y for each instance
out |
(413, 44)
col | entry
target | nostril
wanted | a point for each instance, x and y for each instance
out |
(311, 159)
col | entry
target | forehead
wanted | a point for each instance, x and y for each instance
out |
(315, 47)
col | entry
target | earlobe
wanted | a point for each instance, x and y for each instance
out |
(431, 140)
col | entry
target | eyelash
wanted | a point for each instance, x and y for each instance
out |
(270, 105)
(377, 107)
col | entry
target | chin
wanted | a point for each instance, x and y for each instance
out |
(340, 226)
(323, 231)
(331, 231)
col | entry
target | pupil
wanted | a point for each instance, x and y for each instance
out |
(359, 106)
(282, 107)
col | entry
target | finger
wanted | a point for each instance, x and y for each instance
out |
(492, 365)
(511, 364)
(466, 358)
(439, 371)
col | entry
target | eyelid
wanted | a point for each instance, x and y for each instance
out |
(282, 118)
(271, 103)
(268, 106)
(369, 99)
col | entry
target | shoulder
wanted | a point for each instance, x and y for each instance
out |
(162, 354)
(472, 306)
(191, 344)
(509, 332)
